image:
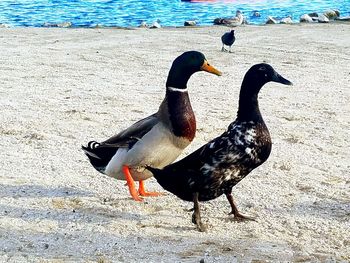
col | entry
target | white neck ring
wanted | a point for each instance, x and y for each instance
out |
(177, 89)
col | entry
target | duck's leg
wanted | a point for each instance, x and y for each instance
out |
(143, 192)
(223, 48)
(196, 216)
(131, 184)
(237, 215)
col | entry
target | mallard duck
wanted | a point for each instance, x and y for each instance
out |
(228, 39)
(217, 166)
(156, 140)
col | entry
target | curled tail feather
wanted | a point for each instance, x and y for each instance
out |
(89, 149)
(98, 155)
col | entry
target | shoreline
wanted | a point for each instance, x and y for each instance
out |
(330, 15)
(61, 88)
(182, 27)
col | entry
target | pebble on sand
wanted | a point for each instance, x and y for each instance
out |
(332, 14)
(155, 25)
(271, 20)
(190, 23)
(62, 25)
(306, 19)
(344, 19)
(286, 20)
(323, 19)
(143, 24)
(4, 25)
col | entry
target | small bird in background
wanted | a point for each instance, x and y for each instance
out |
(228, 39)
(156, 140)
(216, 167)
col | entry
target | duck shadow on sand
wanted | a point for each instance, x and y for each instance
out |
(70, 224)
(30, 191)
(60, 204)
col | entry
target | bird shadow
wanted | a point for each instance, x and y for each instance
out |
(61, 204)
(324, 209)
(30, 191)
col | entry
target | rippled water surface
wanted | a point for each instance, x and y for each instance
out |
(90, 13)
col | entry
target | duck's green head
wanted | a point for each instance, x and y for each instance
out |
(185, 65)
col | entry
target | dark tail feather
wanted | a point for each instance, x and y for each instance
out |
(172, 182)
(99, 156)
(156, 172)
(160, 176)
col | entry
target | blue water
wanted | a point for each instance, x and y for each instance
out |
(89, 13)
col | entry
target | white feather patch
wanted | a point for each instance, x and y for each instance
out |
(91, 154)
(176, 89)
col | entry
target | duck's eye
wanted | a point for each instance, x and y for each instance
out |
(265, 75)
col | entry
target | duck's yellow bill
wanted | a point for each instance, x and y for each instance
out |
(208, 68)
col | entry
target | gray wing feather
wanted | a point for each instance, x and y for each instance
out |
(132, 134)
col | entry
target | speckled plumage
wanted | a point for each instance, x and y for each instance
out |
(216, 167)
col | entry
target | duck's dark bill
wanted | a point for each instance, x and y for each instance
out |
(208, 68)
(278, 78)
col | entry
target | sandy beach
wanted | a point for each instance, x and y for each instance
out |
(60, 88)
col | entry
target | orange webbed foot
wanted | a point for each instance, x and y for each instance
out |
(131, 184)
(143, 192)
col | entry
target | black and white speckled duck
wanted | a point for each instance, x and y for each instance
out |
(216, 167)
(156, 140)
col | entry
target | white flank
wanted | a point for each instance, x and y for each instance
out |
(156, 148)
(114, 166)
